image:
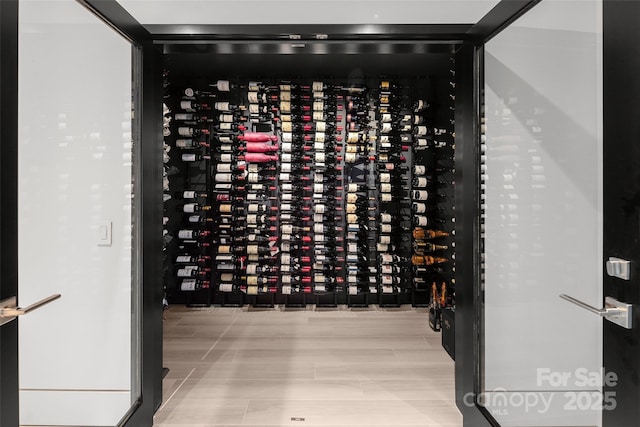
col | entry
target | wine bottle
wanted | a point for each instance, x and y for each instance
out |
(191, 131)
(191, 285)
(258, 147)
(257, 137)
(192, 208)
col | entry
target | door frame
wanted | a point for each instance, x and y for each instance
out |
(9, 207)
(147, 157)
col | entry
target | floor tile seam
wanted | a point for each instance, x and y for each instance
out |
(219, 338)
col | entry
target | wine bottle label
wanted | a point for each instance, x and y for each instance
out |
(183, 258)
(226, 126)
(224, 249)
(253, 177)
(386, 197)
(285, 177)
(353, 279)
(185, 234)
(385, 188)
(189, 157)
(286, 229)
(223, 177)
(185, 272)
(353, 137)
(185, 131)
(420, 195)
(318, 228)
(350, 157)
(420, 130)
(184, 116)
(286, 289)
(225, 208)
(386, 118)
(223, 85)
(253, 97)
(421, 182)
(385, 228)
(319, 137)
(253, 208)
(194, 218)
(320, 288)
(318, 238)
(286, 278)
(419, 207)
(228, 118)
(385, 239)
(285, 94)
(226, 158)
(386, 128)
(253, 257)
(226, 277)
(188, 285)
(381, 247)
(223, 167)
(385, 177)
(222, 106)
(285, 118)
(318, 116)
(351, 208)
(320, 157)
(285, 167)
(225, 139)
(421, 221)
(252, 219)
(321, 126)
(387, 258)
(285, 106)
(286, 127)
(252, 290)
(385, 218)
(286, 197)
(320, 208)
(352, 218)
(286, 146)
(318, 105)
(185, 143)
(252, 280)
(189, 207)
(387, 289)
(225, 287)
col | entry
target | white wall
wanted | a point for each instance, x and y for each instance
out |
(543, 103)
(75, 171)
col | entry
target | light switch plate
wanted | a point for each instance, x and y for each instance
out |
(105, 229)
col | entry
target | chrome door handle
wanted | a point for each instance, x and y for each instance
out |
(9, 309)
(614, 310)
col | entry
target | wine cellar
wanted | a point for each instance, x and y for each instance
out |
(310, 189)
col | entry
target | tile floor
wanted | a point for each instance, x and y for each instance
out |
(324, 367)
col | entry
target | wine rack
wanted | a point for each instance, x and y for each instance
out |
(309, 191)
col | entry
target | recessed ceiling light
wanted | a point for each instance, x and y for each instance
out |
(322, 36)
(298, 45)
(294, 37)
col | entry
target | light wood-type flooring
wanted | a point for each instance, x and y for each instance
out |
(306, 367)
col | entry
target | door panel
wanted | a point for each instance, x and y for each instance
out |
(78, 356)
(543, 217)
